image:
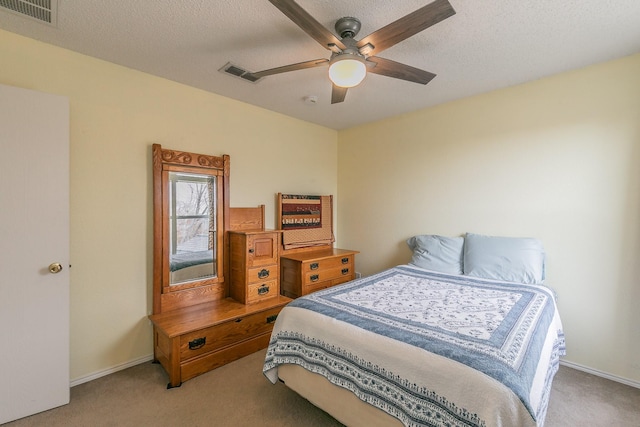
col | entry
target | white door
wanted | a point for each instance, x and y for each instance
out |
(34, 233)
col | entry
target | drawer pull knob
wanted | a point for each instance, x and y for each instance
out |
(197, 343)
(345, 260)
(251, 250)
(272, 318)
(263, 274)
(315, 277)
(314, 265)
(345, 271)
(263, 290)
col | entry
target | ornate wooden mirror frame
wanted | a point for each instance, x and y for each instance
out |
(171, 294)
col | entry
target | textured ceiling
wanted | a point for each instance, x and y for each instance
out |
(486, 45)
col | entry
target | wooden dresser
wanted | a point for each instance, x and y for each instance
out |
(254, 265)
(201, 320)
(194, 340)
(304, 272)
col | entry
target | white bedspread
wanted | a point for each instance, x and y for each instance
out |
(428, 348)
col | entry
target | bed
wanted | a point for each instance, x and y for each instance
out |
(452, 346)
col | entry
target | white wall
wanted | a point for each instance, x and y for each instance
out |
(116, 115)
(557, 159)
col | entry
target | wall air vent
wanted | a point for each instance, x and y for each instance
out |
(235, 71)
(40, 10)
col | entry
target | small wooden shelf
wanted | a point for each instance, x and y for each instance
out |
(254, 267)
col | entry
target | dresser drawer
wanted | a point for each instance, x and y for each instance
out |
(210, 339)
(305, 272)
(328, 263)
(317, 286)
(262, 290)
(268, 272)
(209, 361)
(328, 274)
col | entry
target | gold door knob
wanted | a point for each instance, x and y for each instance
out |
(55, 268)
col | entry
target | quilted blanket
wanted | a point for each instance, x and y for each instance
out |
(429, 348)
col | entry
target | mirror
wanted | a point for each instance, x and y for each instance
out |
(192, 227)
(190, 215)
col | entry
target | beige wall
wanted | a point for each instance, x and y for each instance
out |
(557, 159)
(116, 114)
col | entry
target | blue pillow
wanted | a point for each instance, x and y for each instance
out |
(510, 259)
(437, 253)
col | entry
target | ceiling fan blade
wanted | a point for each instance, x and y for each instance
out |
(292, 67)
(308, 23)
(389, 68)
(338, 94)
(406, 26)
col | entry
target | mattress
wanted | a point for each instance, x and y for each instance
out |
(427, 348)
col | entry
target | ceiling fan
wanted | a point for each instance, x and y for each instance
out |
(351, 59)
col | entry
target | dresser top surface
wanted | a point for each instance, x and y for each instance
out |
(184, 320)
(319, 254)
(255, 231)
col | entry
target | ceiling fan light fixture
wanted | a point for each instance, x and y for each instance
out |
(347, 70)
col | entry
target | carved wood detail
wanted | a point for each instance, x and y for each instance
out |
(189, 159)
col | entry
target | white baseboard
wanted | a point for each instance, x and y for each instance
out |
(148, 358)
(597, 373)
(113, 369)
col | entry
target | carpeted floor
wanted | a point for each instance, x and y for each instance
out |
(239, 395)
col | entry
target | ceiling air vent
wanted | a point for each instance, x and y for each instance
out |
(234, 70)
(40, 10)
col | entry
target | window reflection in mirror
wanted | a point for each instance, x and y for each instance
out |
(192, 227)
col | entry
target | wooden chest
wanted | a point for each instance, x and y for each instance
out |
(254, 265)
(197, 339)
(305, 272)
